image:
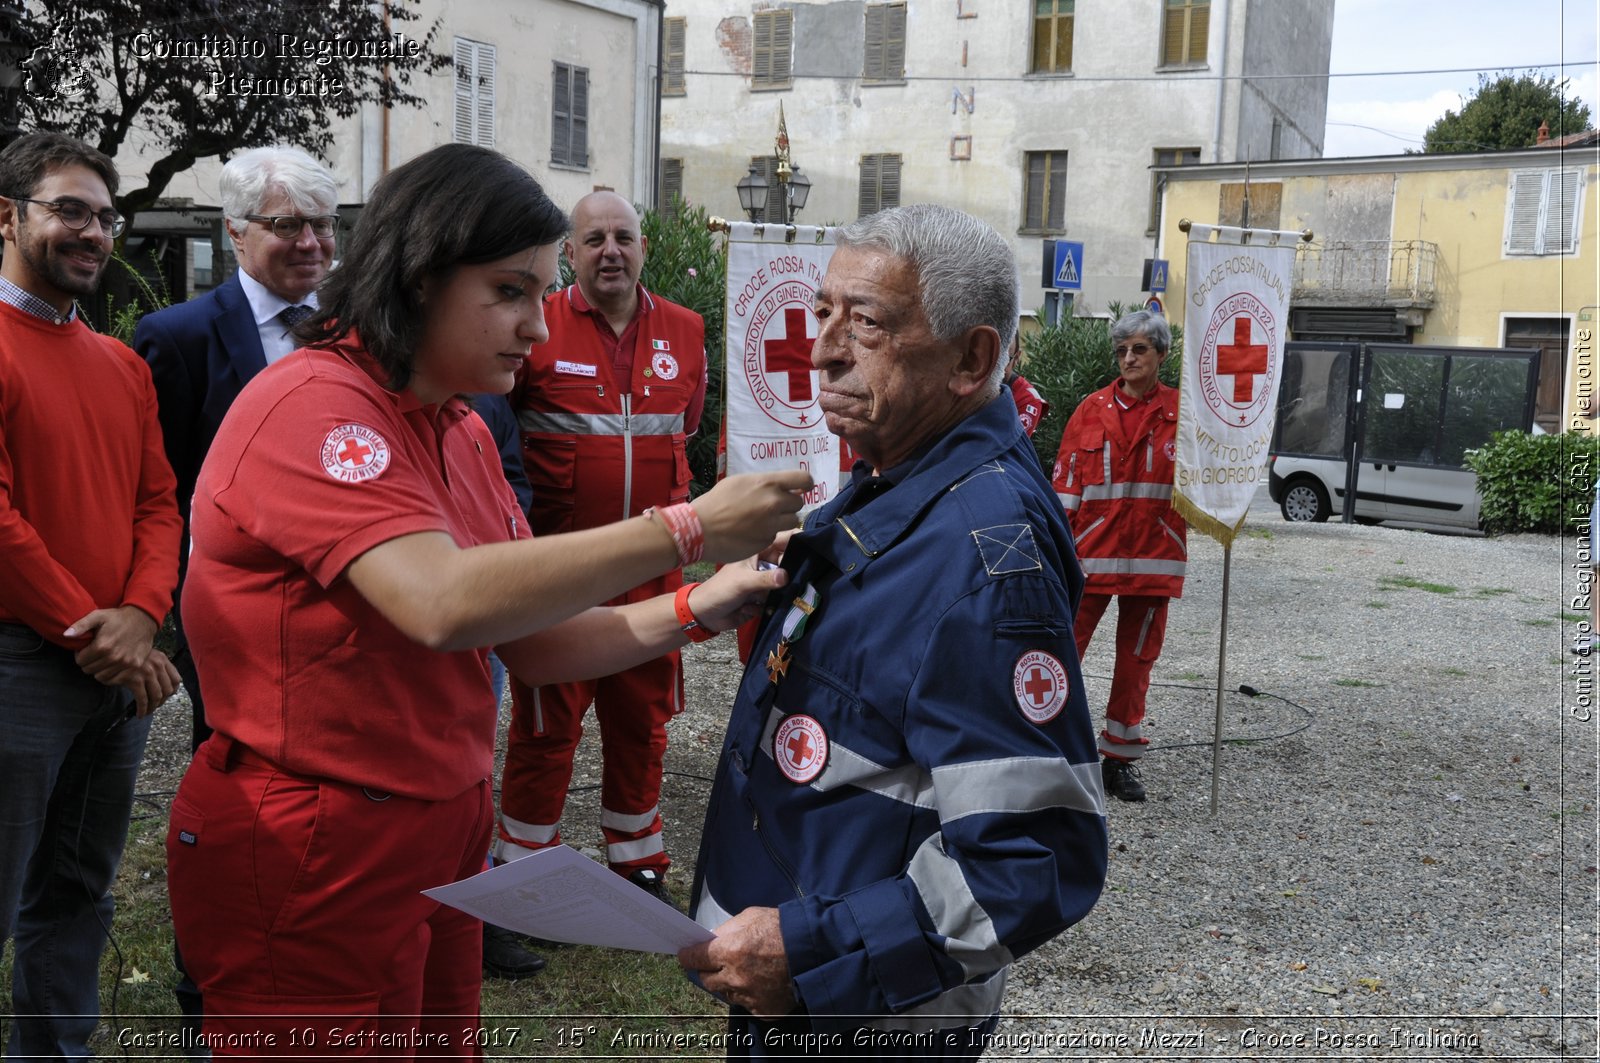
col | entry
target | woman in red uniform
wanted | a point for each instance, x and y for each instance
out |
(356, 554)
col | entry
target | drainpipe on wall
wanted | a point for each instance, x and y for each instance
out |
(654, 177)
(1222, 85)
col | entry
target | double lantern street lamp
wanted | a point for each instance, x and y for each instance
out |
(792, 186)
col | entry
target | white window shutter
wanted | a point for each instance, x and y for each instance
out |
(1561, 211)
(1524, 209)
(486, 95)
(464, 91)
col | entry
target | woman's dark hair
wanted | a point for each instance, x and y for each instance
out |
(452, 206)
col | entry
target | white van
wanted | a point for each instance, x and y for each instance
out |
(1406, 415)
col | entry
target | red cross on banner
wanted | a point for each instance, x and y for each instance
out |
(1243, 360)
(791, 354)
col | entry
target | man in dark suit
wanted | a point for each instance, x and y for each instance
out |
(281, 208)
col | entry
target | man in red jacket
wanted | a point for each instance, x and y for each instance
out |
(89, 533)
(1114, 477)
(605, 408)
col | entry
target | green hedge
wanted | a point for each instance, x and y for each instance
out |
(1070, 361)
(1530, 483)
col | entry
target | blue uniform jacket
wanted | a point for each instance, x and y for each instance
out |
(919, 793)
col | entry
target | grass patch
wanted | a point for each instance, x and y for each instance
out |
(1377, 605)
(1355, 683)
(1194, 677)
(585, 995)
(1573, 618)
(1540, 622)
(1458, 672)
(1259, 533)
(1491, 592)
(1412, 583)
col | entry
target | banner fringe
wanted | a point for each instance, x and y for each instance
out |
(1202, 521)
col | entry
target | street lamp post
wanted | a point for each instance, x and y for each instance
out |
(753, 193)
(792, 186)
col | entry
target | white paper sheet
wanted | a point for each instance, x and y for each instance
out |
(561, 895)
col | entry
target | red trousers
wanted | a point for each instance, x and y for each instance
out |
(633, 708)
(1141, 628)
(297, 906)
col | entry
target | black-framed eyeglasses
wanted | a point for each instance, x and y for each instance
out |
(288, 226)
(75, 214)
(1138, 350)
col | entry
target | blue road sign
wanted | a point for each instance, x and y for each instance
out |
(1155, 277)
(1067, 273)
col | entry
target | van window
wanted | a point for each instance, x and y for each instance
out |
(1485, 396)
(1406, 430)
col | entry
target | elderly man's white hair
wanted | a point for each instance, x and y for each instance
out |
(252, 176)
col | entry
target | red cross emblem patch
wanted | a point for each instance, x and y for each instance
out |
(353, 453)
(1040, 684)
(664, 365)
(800, 747)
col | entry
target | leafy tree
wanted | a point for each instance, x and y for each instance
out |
(199, 79)
(1505, 112)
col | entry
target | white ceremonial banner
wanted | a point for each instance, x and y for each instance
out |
(773, 418)
(1235, 325)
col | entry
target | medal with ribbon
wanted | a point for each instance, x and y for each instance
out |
(793, 628)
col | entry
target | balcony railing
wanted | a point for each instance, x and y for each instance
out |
(1397, 273)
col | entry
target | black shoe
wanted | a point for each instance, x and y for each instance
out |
(1121, 779)
(652, 882)
(504, 957)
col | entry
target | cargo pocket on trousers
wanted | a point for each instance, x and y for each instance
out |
(241, 1023)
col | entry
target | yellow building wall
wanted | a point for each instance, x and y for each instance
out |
(1476, 285)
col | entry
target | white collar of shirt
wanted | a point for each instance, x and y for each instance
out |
(266, 306)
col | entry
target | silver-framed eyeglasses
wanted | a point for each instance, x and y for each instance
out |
(75, 214)
(288, 226)
(1138, 350)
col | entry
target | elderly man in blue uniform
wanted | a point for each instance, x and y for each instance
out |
(909, 795)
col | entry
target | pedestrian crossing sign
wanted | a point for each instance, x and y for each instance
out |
(1067, 272)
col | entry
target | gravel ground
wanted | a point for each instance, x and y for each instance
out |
(1403, 861)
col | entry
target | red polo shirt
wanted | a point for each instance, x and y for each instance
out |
(316, 464)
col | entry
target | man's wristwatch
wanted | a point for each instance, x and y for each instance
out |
(687, 622)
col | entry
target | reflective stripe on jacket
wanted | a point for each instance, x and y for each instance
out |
(599, 449)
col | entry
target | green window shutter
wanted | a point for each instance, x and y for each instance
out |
(867, 191)
(672, 78)
(889, 182)
(561, 115)
(1058, 190)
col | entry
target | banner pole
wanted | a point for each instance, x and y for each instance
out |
(1222, 665)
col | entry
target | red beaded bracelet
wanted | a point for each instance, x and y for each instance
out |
(687, 622)
(683, 524)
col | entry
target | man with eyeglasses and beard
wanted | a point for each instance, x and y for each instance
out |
(1113, 475)
(89, 534)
